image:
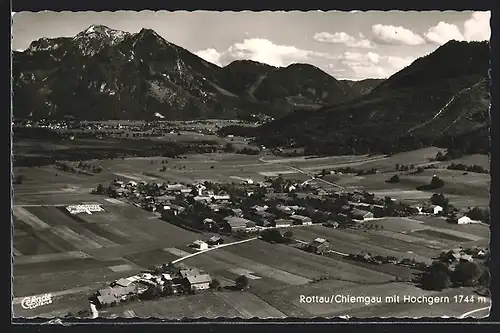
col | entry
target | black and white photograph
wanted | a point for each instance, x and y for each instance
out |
(271, 165)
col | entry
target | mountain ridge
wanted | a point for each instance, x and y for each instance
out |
(456, 73)
(103, 73)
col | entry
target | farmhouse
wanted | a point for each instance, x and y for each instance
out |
(199, 245)
(464, 220)
(258, 208)
(301, 220)
(200, 188)
(121, 283)
(184, 273)
(238, 223)
(164, 198)
(285, 209)
(343, 218)
(359, 214)
(200, 198)
(221, 197)
(237, 212)
(175, 209)
(319, 245)
(208, 223)
(331, 224)
(198, 282)
(264, 215)
(432, 209)
(466, 257)
(109, 296)
(215, 240)
(282, 223)
(166, 277)
(118, 182)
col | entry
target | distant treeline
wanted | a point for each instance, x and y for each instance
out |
(361, 142)
(121, 149)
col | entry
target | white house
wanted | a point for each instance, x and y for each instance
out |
(200, 245)
(434, 209)
(200, 188)
(464, 220)
(199, 282)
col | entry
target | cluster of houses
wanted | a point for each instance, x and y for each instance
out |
(457, 255)
(205, 245)
(379, 260)
(169, 280)
(222, 213)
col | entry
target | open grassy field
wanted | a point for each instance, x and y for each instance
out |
(195, 168)
(202, 305)
(340, 242)
(476, 159)
(463, 191)
(480, 230)
(58, 252)
(416, 157)
(306, 265)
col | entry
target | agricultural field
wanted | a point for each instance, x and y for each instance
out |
(70, 256)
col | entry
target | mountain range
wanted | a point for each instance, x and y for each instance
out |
(102, 73)
(441, 99)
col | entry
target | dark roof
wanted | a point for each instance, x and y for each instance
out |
(360, 212)
(238, 222)
(214, 239)
(117, 291)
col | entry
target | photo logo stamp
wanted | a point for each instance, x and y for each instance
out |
(33, 302)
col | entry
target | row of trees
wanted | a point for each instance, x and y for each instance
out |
(229, 148)
(471, 168)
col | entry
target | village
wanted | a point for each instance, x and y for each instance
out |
(247, 209)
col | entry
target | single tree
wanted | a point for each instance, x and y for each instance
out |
(241, 282)
(393, 179)
(437, 277)
(466, 274)
(436, 182)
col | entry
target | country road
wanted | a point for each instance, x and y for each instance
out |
(307, 174)
(211, 249)
(485, 309)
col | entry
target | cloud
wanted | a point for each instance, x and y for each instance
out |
(477, 28)
(343, 38)
(389, 34)
(442, 33)
(210, 55)
(355, 65)
(261, 50)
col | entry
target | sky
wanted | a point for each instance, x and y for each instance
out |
(347, 45)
